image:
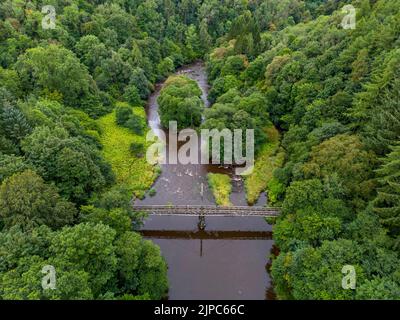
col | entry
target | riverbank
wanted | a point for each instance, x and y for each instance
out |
(269, 158)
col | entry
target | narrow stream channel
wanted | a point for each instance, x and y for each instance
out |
(228, 259)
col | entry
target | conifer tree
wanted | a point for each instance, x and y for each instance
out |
(387, 203)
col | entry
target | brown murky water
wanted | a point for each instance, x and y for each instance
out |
(228, 259)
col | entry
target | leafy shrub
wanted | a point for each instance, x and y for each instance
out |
(135, 123)
(137, 149)
(123, 112)
(152, 192)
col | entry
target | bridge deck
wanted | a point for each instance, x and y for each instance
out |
(196, 210)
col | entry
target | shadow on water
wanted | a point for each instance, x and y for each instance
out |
(207, 235)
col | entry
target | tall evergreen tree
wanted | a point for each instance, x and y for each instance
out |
(387, 203)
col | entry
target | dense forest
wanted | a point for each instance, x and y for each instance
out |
(324, 102)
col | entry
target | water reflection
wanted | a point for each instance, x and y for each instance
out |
(227, 260)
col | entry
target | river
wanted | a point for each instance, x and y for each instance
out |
(228, 259)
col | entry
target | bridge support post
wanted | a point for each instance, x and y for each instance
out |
(202, 220)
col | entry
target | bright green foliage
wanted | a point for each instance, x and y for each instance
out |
(221, 187)
(233, 112)
(267, 160)
(152, 192)
(10, 82)
(234, 65)
(53, 83)
(152, 271)
(307, 227)
(133, 172)
(275, 191)
(379, 289)
(33, 242)
(223, 85)
(141, 267)
(333, 93)
(301, 194)
(117, 199)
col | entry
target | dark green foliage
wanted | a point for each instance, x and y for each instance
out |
(118, 198)
(139, 79)
(135, 123)
(387, 203)
(132, 96)
(126, 118)
(74, 245)
(7, 146)
(122, 114)
(91, 51)
(55, 70)
(11, 164)
(97, 258)
(137, 149)
(152, 192)
(234, 111)
(13, 124)
(76, 168)
(25, 199)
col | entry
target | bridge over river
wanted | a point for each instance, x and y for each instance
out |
(208, 210)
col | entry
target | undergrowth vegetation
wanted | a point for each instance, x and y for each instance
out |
(221, 188)
(270, 157)
(131, 171)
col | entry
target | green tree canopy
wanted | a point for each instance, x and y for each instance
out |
(27, 200)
